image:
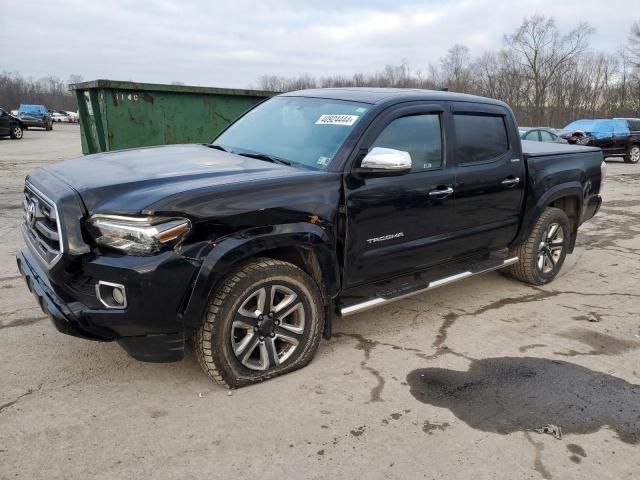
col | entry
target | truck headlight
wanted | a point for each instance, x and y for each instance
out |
(137, 235)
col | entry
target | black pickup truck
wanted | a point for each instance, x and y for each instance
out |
(313, 205)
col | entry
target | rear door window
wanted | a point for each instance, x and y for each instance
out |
(547, 136)
(621, 128)
(480, 137)
(533, 135)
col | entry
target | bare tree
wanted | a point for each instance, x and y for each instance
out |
(544, 53)
(634, 43)
(74, 78)
(455, 69)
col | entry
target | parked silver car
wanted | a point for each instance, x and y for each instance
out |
(540, 134)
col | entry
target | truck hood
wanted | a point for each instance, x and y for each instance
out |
(143, 179)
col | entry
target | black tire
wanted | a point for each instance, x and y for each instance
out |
(218, 341)
(633, 154)
(528, 268)
(16, 132)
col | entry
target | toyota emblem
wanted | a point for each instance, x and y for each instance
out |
(31, 213)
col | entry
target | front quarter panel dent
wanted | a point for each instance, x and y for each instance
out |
(228, 251)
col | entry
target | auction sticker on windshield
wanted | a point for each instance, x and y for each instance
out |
(346, 120)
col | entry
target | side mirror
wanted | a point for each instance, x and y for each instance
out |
(384, 162)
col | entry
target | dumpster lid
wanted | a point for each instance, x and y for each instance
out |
(159, 87)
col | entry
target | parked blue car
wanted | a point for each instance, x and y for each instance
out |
(35, 116)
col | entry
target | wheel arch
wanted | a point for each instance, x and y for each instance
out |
(567, 197)
(307, 246)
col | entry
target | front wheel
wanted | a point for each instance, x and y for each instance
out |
(264, 319)
(541, 255)
(16, 132)
(633, 154)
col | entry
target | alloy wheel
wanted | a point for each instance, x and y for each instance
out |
(268, 327)
(634, 154)
(550, 249)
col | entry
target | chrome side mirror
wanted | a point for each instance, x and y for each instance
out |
(385, 162)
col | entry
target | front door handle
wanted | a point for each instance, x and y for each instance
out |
(511, 181)
(441, 193)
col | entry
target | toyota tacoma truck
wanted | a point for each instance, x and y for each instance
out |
(313, 205)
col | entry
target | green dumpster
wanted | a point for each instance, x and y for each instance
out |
(116, 115)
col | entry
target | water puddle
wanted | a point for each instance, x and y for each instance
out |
(510, 394)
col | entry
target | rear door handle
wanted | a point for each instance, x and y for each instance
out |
(441, 193)
(511, 181)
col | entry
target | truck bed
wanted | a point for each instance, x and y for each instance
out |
(531, 149)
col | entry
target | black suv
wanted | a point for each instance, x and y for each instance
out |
(314, 204)
(617, 137)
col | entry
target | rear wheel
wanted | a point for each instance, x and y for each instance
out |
(264, 320)
(541, 255)
(16, 132)
(633, 154)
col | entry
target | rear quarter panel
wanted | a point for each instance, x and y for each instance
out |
(555, 175)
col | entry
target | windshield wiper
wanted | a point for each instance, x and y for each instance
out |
(264, 156)
(218, 147)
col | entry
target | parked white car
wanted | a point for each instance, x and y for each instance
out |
(73, 116)
(58, 117)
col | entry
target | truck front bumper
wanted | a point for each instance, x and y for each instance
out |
(146, 329)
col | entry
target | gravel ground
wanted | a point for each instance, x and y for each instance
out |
(449, 384)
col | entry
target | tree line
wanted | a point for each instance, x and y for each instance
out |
(547, 76)
(48, 91)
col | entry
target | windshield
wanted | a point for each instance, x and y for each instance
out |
(305, 131)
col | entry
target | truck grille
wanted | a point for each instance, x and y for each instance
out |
(40, 225)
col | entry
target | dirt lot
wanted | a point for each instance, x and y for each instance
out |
(450, 384)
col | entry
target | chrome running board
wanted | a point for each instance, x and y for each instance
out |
(375, 302)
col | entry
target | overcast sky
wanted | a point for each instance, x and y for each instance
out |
(232, 43)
